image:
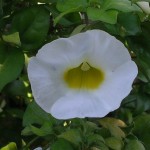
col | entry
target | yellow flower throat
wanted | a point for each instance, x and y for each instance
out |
(84, 77)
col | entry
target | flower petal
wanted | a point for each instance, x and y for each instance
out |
(117, 85)
(45, 83)
(80, 104)
(107, 52)
(66, 51)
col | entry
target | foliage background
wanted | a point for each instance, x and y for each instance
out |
(25, 26)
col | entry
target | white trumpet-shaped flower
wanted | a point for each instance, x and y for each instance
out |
(86, 75)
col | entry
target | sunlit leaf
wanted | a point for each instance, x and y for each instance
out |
(121, 5)
(114, 143)
(12, 38)
(72, 135)
(65, 5)
(134, 145)
(109, 16)
(10, 146)
(113, 125)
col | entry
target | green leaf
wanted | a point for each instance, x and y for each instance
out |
(126, 114)
(131, 137)
(57, 19)
(95, 139)
(34, 114)
(32, 24)
(147, 88)
(140, 45)
(142, 129)
(46, 129)
(90, 126)
(72, 135)
(66, 5)
(138, 102)
(104, 132)
(63, 21)
(61, 144)
(74, 18)
(112, 28)
(11, 64)
(120, 5)
(109, 16)
(113, 125)
(134, 1)
(16, 88)
(143, 60)
(102, 146)
(10, 146)
(95, 1)
(143, 102)
(130, 22)
(141, 42)
(114, 143)
(26, 131)
(12, 38)
(134, 145)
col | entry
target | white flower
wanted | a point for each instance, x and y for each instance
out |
(86, 75)
(145, 6)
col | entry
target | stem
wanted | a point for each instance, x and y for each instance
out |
(30, 143)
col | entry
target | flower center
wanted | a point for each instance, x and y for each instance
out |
(84, 77)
